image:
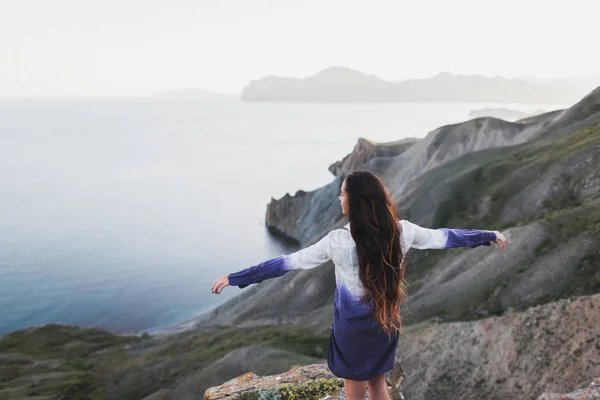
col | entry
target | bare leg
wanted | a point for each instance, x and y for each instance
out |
(378, 388)
(355, 390)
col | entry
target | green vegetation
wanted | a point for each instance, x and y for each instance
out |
(61, 341)
(249, 395)
(569, 223)
(224, 339)
(502, 173)
(477, 190)
(66, 362)
(310, 391)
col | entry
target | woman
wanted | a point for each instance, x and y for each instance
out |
(369, 255)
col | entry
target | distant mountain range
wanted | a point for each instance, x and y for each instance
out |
(345, 85)
(195, 95)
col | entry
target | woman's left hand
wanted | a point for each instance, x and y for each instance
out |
(500, 239)
(220, 283)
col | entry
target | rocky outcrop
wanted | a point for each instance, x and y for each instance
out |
(250, 384)
(365, 155)
(307, 215)
(310, 382)
(275, 219)
(550, 348)
(592, 392)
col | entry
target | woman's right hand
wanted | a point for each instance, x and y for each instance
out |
(500, 239)
(220, 283)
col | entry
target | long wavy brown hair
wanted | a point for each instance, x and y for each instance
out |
(376, 232)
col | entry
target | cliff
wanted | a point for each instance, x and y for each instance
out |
(368, 154)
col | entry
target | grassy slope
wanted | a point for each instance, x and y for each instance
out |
(458, 189)
(94, 364)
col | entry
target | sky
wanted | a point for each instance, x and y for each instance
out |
(89, 48)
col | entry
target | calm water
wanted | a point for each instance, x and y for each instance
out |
(120, 214)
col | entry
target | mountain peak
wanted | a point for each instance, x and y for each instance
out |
(337, 72)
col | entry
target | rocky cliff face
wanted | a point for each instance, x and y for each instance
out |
(370, 154)
(592, 392)
(316, 211)
(315, 380)
(549, 348)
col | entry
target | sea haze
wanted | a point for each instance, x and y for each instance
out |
(120, 214)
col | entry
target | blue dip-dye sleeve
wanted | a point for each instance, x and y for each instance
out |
(445, 238)
(309, 257)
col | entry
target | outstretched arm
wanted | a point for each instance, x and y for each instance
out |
(309, 257)
(445, 238)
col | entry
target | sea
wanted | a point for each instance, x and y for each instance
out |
(120, 213)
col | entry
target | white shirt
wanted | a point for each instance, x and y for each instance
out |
(338, 246)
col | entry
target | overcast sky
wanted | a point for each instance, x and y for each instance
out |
(138, 47)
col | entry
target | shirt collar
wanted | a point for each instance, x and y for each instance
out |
(347, 226)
